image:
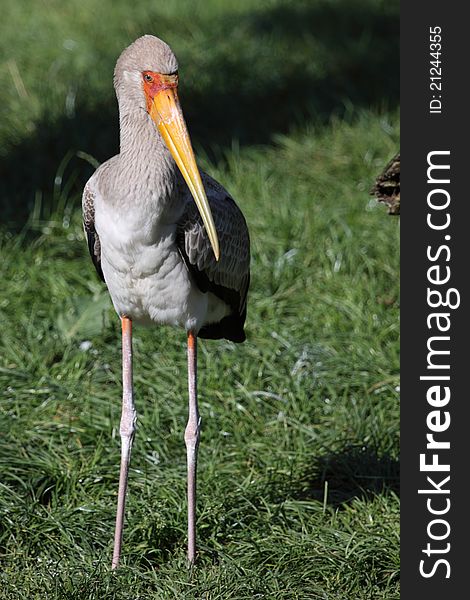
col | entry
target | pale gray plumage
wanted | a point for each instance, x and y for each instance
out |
(144, 177)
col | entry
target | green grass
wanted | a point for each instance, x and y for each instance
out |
(298, 471)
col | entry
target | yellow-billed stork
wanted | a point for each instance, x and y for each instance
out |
(168, 240)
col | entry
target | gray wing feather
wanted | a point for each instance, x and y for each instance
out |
(228, 277)
(94, 246)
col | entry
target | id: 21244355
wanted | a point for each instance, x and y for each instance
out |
(435, 70)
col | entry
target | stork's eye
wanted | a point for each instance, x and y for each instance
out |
(148, 78)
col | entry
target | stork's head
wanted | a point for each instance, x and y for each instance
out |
(146, 78)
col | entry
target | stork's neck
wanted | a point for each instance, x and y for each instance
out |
(144, 159)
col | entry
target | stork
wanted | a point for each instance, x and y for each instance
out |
(168, 240)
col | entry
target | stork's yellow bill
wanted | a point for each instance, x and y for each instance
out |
(165, 109)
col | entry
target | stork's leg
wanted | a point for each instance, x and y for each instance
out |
(191, 438)
(127, 429)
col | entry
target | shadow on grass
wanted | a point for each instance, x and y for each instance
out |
(339, 477)
(265, 73)
(356, 472)
(312, 59)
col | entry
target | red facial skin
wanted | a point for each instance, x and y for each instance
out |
(158, 84)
